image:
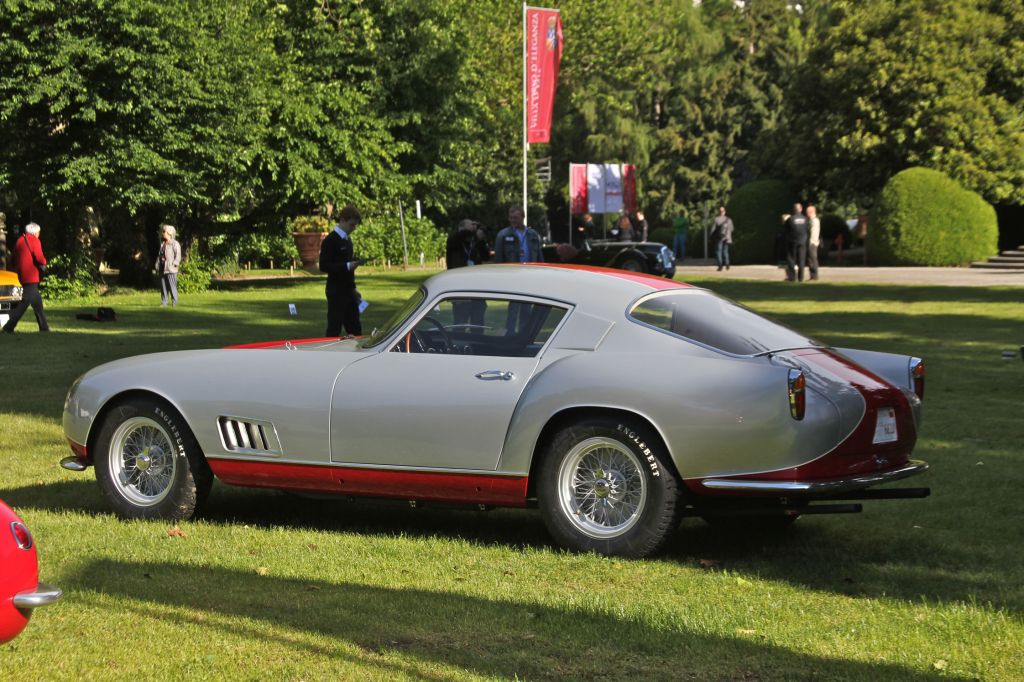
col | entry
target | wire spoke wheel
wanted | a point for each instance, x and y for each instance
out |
(602, 490)
(142, 461)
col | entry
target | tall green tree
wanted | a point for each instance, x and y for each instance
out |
(935, 83)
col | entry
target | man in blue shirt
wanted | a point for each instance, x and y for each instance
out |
(517, 243)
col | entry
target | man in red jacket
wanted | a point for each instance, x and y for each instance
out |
(28, 259)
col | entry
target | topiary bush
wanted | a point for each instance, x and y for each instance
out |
(756, 210)
(379, 239)
(924, 217)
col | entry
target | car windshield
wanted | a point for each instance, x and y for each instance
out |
(717, 322)
(396, 320)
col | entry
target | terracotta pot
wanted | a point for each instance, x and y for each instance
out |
(308, 244)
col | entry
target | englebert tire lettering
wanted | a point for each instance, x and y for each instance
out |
(174, 429)
(632, 435)
(604, 485)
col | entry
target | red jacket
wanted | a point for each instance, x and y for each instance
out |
(27, 253)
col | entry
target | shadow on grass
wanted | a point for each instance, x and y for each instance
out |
(872, 560)
(371, 626)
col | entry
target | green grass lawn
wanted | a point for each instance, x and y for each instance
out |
(270, 586)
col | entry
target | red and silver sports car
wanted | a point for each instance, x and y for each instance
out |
(615, 402)
(20, 589)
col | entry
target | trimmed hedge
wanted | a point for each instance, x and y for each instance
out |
(756, 210)
(924, 217)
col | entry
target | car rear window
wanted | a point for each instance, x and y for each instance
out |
(716, 322)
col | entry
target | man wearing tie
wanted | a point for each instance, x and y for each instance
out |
(337, 260)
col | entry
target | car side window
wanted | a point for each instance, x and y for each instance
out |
(716, 322)
(483, 326)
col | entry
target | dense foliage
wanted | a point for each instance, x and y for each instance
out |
(935, 83)
(69, 276)
(232, 118)
(756, 210)
(379, 240)
(924, 217)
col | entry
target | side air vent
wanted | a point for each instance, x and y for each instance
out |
(248, 436)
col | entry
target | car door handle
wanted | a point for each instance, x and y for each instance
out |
(494, 374)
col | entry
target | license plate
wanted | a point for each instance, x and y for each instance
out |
(885, 426)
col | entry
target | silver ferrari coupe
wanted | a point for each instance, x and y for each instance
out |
(615, 402)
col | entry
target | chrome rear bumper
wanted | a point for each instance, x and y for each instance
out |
(828, 487)
(43, 595)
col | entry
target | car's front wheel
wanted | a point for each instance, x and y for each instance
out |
(605, 485)
(148, 463)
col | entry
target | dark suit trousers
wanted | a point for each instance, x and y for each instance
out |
(342, 311)
(796, 260)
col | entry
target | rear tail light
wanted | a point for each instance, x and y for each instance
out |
(797, 393)
(917, 376)
(21, 535)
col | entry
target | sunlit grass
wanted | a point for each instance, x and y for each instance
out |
(270, 586)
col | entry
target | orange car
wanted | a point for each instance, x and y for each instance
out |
(10, 294)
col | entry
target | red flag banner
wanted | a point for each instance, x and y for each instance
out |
(543, 57)
(578, 188)
(629, 187)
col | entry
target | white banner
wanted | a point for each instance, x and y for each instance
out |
(612, 188)
(595, 188)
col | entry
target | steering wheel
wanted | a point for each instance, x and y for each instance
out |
(414, 335)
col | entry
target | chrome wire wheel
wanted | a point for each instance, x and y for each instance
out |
(602, 490)
(142, 461)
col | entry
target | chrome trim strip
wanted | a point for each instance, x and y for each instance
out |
(43, 595)
(835, 485)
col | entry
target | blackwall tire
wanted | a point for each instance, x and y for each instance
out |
(605, 485)
(148, 463)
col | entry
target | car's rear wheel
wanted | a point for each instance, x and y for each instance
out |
(605, 485)
(148, 463)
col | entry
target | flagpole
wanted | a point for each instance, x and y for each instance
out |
(525, 144)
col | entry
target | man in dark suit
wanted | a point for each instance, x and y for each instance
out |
(338, 261)
(797, 231)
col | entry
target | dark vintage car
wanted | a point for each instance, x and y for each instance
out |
(647, 257)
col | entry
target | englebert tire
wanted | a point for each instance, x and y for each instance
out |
(148, 463)
(605, 486)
